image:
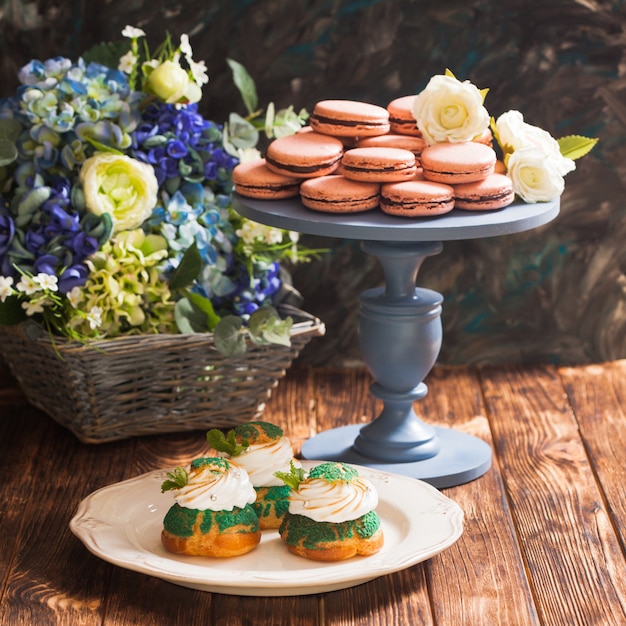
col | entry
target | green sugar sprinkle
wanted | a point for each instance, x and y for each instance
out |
(276, 497)
(301, 530)
(206, 461)
(334, 471)
(251, 430)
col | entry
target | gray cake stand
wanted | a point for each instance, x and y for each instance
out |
(400, 333)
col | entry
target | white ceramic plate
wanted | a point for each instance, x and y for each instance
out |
(122, 524)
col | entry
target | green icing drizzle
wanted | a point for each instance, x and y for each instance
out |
(301, 530)
(180, 521)
(334, 471)
(219, 463)
(251, 430)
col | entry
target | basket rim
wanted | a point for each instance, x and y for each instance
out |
(307, 325)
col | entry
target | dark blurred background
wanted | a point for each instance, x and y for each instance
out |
(553, 294)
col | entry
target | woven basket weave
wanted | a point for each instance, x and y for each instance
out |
(141, 385)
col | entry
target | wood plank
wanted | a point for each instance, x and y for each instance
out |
(571, 551)
(598, 396)
(53, 579)
(480, 579)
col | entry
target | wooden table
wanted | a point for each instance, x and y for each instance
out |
(544, 534)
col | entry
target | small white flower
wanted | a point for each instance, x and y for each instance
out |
(47, 282)
(199, 71)
(185, 46)
(272, 235)
(133, 33)
(6, 283)
(28, 285)
(33, 307)
(74, 296)
(127, 62)
(536, 176)
(248, 154)
(94, 317)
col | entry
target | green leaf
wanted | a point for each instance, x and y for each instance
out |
(244, 82)
(575, 146)
(8, 152)
(11, 312)
(293, 477)
(10, 129)
(266, 327)
(176, 479)
(206, 306)
(107, 53)
(449, 73)
(188, 269)
(189, 318)
(228, 338)
(227, 444)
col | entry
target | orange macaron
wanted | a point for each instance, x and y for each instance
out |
(379, 165)
(395, 140)
(493, 192)
(349, 118)
(337, 194)
(255, 179)
(454, 163)
(416, 198)
(304, 155)
(401, 118)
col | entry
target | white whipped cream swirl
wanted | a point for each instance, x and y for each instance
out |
(261, 460)
(335, 502)
(216, 488)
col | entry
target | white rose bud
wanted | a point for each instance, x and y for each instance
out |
(171, 83)
(450, 110)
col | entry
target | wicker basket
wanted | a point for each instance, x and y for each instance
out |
(148, 384)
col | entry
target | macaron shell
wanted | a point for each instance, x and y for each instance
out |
(416, 198)
(337, 194)
(380, 165)
(304, 155)
(255, 179)
(401, 118)
(493, 192)
(454, 163)
(395, 140)
(349, 118)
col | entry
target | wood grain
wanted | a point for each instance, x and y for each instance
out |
(570, 549)
(543, 539)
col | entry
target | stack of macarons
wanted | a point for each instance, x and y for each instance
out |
(356, 156)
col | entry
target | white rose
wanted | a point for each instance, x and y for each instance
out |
(450, 110)
(123, 187)
(535, 176)
(514, 133)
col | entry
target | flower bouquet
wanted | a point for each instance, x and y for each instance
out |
(133, 298)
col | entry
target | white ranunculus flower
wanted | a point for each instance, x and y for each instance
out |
(171, 83)
(535, 176)
(121, 186)
(514, 133)
(450, 110)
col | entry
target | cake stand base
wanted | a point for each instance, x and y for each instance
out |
(462, 457)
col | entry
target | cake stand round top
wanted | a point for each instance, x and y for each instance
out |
(375, 225)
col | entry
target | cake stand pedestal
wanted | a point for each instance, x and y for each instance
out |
(400, 333)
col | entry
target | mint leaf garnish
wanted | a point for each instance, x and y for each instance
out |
(227, 443)
(293, 477)
(176, 479)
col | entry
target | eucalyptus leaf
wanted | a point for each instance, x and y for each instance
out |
(228, 337)
(8, 152)
(244, 82)
(10, 129)
(188, 269)
(189, 318)
(267, 327)
(206, 306)
(575, 146)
